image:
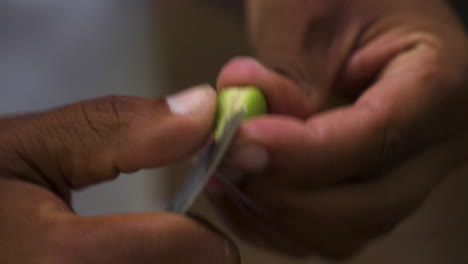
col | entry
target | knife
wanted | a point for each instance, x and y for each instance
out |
(206, 166)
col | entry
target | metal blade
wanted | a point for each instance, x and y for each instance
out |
(206, 166)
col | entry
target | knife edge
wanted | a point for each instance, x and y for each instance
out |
(205, 167)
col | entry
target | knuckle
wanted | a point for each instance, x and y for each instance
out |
(441, 76)
(101, 116)
(25, 145)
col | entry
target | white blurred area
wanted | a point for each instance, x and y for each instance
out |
(53, 52)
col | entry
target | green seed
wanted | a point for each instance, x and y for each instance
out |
(232, 100)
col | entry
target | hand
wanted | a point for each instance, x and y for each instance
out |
(44, 156)
(328, 181)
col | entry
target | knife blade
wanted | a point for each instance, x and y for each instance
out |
(205, 167)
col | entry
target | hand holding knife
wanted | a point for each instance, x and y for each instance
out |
(235, 105)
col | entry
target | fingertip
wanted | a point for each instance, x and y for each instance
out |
(171, 131)
(239, 71)
(197, 103)
(194, 110)
(265, 142)
(283, 95)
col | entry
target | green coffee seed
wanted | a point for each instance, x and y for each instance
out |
(234, 99)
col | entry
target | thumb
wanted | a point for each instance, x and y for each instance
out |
(93, 141)
(37, 227)
(284, 96)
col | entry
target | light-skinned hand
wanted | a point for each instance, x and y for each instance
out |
(329, 181)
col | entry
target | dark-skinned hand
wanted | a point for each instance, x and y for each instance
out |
(44, 156)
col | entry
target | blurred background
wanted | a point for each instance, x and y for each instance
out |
(53, 52)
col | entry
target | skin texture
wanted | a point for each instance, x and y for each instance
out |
(43, 156)
(336, 179)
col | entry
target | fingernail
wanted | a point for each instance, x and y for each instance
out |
(191, 101)
(251, 158)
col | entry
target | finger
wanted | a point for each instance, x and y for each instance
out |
(309, 42)
(283, 95)
(378, 46)
(303, 155)
(40, 228)
(93, 141)
(338, 221)
(398, 116)
(150, 238)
